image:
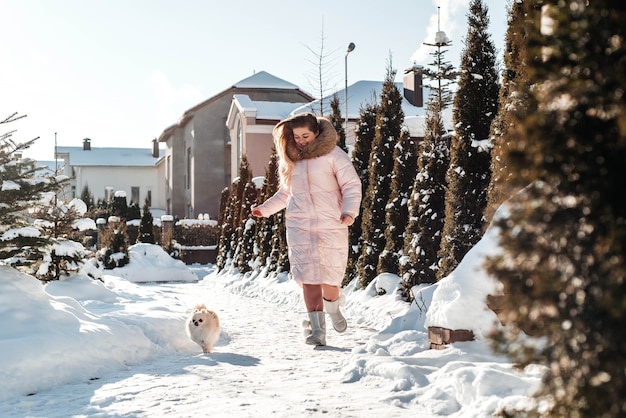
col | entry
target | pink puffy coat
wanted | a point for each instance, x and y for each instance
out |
(324, 185)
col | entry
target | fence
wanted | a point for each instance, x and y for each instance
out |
(192, 241)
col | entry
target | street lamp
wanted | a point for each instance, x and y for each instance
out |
(350, 48)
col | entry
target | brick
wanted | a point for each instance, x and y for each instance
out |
(439, 336)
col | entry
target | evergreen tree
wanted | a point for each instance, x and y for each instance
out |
(232, 228)
(240, 211)
(114, 252)
(426, 205)
(225, 224)
(404, 172)
(133, 212)
(146, 226)
(511, 99)
(389, 120)
(56, 220)
(280, 251)
(22, 185)
(224, 196)
(365, 132)
(338, 122)
(227, 233)
(442, 72)
(87, 197)
(265, 226)
(246, 240)
(563, 243)
(63, 257)
(245, 177)
(119, 205)
(475, 106)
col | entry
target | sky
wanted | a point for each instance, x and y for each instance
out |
(118, 346)
(120, 72)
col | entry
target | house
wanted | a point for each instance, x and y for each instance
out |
(250, 122)
(414, 95)
(136, 171)
(198, 161)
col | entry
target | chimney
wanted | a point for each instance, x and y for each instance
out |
(155, 148)
(86, 144)
(413, 89)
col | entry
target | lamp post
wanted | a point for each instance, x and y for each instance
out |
(350, 48)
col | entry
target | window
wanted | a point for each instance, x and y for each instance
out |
(108, 193)
(134, 195)
(188, 179)
(239, 140)
(149, 197)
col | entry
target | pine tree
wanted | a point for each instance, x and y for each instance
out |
(240, 211)
(228, 232)
(232, 228)
(119, 205)
(389, 120)
(338, 122)
(245, 177)
(146, 226)
(426, 205)
(563, 243)
(56, 220)
(133, 212)
(365, 132)
(281, 248)
(87, 197)
(226, 227)
(246, 239)
(404, 173)
(511, 99)
(22, 185)
(224, 196)
(114, 252)
(265, 226)
(475, 106)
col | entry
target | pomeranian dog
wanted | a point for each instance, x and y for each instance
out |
(203, 327)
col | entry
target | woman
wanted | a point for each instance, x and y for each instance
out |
(322, 193)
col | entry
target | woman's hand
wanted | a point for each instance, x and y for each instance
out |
(346, 219)
(257, 212)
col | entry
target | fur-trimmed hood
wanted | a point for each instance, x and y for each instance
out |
(323, 144)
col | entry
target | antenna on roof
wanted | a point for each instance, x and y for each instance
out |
(438, 17)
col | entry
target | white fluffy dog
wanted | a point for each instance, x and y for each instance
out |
(203, 327)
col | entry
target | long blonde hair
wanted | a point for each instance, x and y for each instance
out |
(283, 138)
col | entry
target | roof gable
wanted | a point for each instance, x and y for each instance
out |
(264, 80)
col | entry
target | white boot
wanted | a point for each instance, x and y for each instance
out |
(316, 332)
(339, 322)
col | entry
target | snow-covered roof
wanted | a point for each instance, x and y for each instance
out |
(367, 91)
(120, 157)
(264, 80)
(259, 109)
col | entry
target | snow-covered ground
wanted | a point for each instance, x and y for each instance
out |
(85, 348)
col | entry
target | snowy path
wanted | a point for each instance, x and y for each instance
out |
(260, 367)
